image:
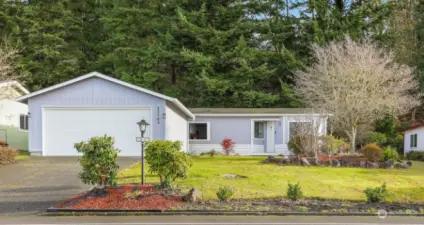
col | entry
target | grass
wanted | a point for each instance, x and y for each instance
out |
(22, 155)
(269, 180)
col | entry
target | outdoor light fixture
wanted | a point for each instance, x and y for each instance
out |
(143, 126)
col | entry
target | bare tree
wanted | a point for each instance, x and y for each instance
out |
(306, 133)
(356, 82)
(7, 70)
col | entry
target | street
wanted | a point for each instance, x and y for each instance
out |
(141, 220)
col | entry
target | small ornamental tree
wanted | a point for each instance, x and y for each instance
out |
(167, 160)
(98, 161)
(228, 146)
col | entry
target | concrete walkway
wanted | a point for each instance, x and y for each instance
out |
(35, 184)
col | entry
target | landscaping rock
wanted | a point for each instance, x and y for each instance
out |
(372, 165)
(283, 161)
(363, 164)
(389, 164)
(409, 163)
(401, 166)
(270, 159)
(335, 163)
(305, 162)
(192, 196)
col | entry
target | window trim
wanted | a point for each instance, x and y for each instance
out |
(264, 127)
(208, 130)
(26, 122)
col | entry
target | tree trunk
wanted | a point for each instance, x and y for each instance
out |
(353, 139)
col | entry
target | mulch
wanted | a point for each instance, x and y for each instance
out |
(115, 198)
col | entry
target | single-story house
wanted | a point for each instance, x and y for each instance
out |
(95, 104)
(256, 131)
(13, 115)
(413, 138)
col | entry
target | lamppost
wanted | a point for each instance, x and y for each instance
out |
(143, 126)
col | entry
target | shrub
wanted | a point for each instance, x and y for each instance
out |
(98, 161)
(373, 137)
(376, 194)
(166, 159)
(333, 145)
(7, 155)
(390, 153)
(211, 153)
(224, 193)
(372, 152)
(294, 192)
(228, 146)
(415, 155)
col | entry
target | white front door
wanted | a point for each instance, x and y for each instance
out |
(270, 136)
(63, 127)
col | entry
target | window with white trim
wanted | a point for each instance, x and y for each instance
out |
(259, 128)
(199, 131)
(413, 140)
(23, 122)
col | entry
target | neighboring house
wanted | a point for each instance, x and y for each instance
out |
(95, 104)
(13, 115)
(413, 139)
(256, 131)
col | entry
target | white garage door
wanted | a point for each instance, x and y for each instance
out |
(64, 127)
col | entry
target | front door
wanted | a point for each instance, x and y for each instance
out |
(270, 136)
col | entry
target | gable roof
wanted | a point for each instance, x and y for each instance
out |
(16, 85)
(175, 101)
(250, 111)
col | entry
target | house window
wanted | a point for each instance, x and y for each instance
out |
(23, 122)
(413, 140)
(259, 129)
(199, 131)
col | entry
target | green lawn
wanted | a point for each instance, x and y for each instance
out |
(22, 155)
(268, 180)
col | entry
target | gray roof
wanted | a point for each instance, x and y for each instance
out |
(251, 110)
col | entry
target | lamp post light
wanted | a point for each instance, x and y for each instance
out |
(143, 126)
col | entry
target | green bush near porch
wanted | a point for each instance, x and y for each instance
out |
(257, 180)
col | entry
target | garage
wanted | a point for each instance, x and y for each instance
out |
(65, 126)
(94, 105)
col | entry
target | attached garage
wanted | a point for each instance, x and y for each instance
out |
(95, 105)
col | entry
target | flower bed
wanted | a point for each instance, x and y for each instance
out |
(121, 197)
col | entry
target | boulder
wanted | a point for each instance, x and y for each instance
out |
(335, 163)
(389, 164)
(192, 196)
(270, 159)
(401, 166)
(409, 163)
(372, 165)
(363, 164)
(305, 161)
(283, 161)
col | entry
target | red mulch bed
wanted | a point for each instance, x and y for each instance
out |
(114, 198)
(350, 158)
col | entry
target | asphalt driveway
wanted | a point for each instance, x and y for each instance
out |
(34, 184)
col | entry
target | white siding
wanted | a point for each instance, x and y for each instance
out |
(10, 112)
(420, 140)
(176, 126)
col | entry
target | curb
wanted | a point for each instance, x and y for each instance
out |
(129, 212)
